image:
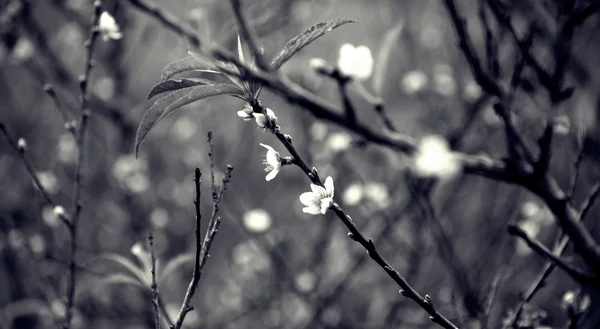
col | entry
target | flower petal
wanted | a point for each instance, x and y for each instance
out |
(308, 199)
(318, 191)
(267, 147)
(272, 174)
(329, 186)
(313, 210)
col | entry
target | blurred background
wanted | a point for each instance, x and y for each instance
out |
(271, 265)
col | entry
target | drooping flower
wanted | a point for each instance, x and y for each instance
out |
(319, 200)
(435, 159)
(355, 62)
(108, 27)
(246, 112)
(267, 121)
(272, 162)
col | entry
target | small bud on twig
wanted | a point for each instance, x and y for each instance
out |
(59, 211)
(22, 145)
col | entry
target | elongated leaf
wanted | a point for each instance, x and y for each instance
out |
(120, 278)
(223, 68)
(303, 39)
(172, 85)
(383, 55)
(135, 270)
(176, 99)
(174, 264)
(189, 63)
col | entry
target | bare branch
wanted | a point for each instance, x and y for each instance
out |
(577, 274)
(154, 286)
(80, 142)
(203, 246)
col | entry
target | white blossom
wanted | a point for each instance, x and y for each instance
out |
(318, 64)
(265, 121)
(435, 159)
(108, 27)
(59, 211)
(22, 144)
(246, 112)
(320, 199)
(272, 162)
(355, 62)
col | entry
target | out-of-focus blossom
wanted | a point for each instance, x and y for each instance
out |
(16, 239)
(568, 299)
(532, 228)
(159, 218)
(23, 50)
(58, 307)
(435, 159)
(472, 90)
(355, 62)
(184, 129)
(443, 80)
(257, 220)
(49, 181)
(265, 122)
(131, 173)
(318, 130)
(49, 217)
(378, 193)
(562, 125)
(246, 113)
(305, 281)
(272, 162)
(37, 244)
(104, 88)
(413, 81)
(319, 65)
(529, 209)
(339, 141)
(66, 148)
(353, 194)
(320, 199)
(108, 27)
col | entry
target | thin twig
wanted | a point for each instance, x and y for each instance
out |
(590, 200)
(80, 142)
(348, 107)
(31, 170)
(202, 246)
(576, 273)
(154, 286)
(211, 147)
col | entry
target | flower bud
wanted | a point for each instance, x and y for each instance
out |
(22, 145)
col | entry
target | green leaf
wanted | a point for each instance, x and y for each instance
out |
(303, 39)
(172, 85)
(190, 63)
(383, 55)
(176, 99)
